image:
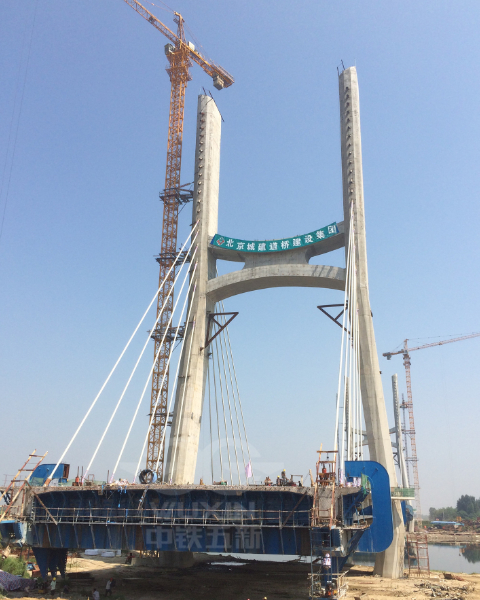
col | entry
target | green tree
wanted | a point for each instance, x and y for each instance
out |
(443, 514)
(14, 565)
(467, 505)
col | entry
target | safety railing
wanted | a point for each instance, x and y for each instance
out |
(172, 516)
(399, 492)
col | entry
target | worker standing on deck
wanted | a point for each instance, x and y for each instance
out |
(53, 585)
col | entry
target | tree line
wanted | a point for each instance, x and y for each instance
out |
(467, 508)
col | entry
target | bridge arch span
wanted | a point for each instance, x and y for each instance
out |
(272, 276)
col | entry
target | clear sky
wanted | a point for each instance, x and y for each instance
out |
(83, 127)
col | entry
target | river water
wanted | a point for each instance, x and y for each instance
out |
(464, 558)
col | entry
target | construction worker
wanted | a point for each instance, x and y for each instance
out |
(108, 588)
(326, 562)
(53, 585)
(96, 594)
(324, 476)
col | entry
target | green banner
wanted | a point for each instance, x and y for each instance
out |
(221, 241)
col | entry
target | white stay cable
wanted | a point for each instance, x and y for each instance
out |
(238, 395)
(223, 337)
(136, 365)
(183, 394)
(351, 313)
(359, 391)
(210, 415)
(230, 408)
(218, 417)
(147, 381)
(60, 460)
(336, 438)
(178, 365)
(224, 413)
(353, 367)
(345, 321)
(351, 404)
(167, 365)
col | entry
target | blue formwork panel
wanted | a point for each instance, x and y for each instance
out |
(254, 521)
(252, 540)
(51, 560)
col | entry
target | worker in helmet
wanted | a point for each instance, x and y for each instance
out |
(327, 562)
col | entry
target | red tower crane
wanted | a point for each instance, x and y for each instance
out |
(180, 55)
(409, 404)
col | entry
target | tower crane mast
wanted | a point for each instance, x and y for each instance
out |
(180, 55)
(409, 403)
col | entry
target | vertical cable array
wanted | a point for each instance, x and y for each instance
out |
(349, 409)
(230, 422)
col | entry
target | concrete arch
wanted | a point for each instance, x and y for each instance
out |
(260, 278)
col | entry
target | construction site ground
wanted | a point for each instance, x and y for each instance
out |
(241, 580)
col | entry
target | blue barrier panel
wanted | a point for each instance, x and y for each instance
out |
(379, 536)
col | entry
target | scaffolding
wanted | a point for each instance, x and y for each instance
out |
(417, 552)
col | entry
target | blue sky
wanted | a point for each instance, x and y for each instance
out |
(82, 219)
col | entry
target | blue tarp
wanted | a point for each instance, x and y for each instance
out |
(12, 583)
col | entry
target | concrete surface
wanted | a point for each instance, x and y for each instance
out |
(289, 275)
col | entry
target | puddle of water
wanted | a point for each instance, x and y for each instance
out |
(227, 564)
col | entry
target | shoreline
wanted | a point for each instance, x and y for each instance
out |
(453, 538)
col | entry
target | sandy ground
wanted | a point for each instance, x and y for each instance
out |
(254, 580)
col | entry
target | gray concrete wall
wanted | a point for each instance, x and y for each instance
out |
(378, 435)
(185, 432)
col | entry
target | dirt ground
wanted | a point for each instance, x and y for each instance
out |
(254, 580)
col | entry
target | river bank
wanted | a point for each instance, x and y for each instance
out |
(453, 537)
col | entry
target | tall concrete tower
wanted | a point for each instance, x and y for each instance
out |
(390, 562)
(185, 433)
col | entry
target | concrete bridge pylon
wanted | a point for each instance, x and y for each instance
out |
(186, 423)
(390, 562)
(287, 268)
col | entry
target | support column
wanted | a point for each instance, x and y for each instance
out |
(185, 433)
(390, 562)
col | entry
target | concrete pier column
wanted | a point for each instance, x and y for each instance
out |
(390, 562)
(185, 432)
